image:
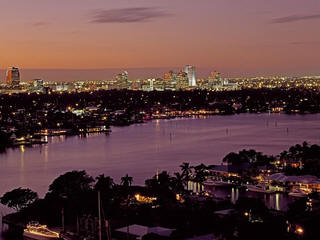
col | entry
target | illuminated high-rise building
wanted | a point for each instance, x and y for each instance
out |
(37, 85)
(13, 76)
(214, 75)
(122, 80)
(191, 72)
(182, 80)
(170, 79)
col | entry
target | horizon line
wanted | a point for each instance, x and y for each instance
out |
(235, 75)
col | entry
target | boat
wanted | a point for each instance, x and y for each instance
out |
(36, 231)
(259, 188)
(216, 183)
(297, 193)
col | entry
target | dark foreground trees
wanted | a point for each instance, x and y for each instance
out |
(306, 156)
(19, 198)
(75, 195)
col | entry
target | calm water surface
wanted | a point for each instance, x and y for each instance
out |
(140, 150)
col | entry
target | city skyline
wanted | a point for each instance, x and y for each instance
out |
(68, 75)
(240, 39)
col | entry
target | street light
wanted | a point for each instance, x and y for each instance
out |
(299, 230)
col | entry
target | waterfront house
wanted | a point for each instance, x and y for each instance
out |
(228, 170)
(307, 183)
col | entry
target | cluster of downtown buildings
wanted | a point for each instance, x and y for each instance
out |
(183, 80)
(171, 81)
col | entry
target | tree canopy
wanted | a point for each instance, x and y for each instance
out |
(308, 155)
(19, 198)
(71, 183)
(248, 156)
(103, 183)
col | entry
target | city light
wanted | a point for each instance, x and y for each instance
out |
(299, 230)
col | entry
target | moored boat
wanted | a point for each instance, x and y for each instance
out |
(259, 188)
(216, 183)
(35, 231)
(297, 193)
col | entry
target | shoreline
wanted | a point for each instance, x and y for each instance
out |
(184, 116)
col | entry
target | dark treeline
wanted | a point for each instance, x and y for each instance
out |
(27, 114)
(255, 100)
(76, 193)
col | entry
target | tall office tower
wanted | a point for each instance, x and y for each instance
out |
(170, 78)
(214, 78)
(13, 76)
(191, 72)
(122, 80)
(182, 80)
(214, 75)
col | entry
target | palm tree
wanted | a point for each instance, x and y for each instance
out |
(200, 174)
(104, 183)
(126, 180)
(186, 171)
(178, 182)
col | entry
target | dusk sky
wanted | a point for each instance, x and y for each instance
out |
(236, 37)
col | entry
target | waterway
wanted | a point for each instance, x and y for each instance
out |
(142, 149)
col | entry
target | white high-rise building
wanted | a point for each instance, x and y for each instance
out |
(191, 72)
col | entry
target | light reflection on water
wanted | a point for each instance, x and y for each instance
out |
(141, 149)
(276, 201)
(162, 144)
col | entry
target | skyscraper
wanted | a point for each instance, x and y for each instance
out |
(191, 72)
(122, 80)
(13, 76)
(170, 79)
(182, 80)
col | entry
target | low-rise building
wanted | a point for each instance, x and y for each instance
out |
(138, 232)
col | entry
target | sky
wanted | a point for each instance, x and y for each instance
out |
(235, 37)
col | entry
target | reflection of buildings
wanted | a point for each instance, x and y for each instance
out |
(191, 73)
(13, 76)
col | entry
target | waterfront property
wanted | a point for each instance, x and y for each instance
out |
(228, 170)
(305, 183)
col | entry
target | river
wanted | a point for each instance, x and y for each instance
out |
(142, 149)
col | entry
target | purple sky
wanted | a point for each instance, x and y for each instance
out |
(236, 37)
